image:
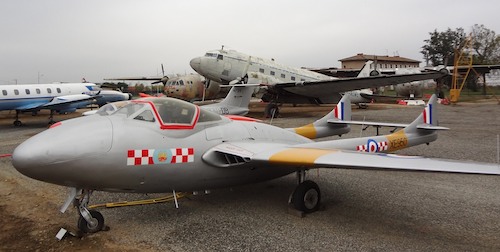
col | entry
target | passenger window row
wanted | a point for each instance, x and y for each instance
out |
(28, 91)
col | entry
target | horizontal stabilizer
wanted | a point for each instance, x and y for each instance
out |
(375, 124)
(426, 126)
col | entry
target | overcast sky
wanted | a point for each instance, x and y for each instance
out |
(60, 40)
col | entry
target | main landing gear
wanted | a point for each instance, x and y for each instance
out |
(272, 110)
(18, 123)
(306, 197)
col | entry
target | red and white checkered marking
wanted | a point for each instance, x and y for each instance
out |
(182, 155)
(140, 157)
(382, 146)
(147, 157)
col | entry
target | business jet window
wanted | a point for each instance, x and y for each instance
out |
(273, 73)
(38, 91)
(283, 76)
(261, 70)
(49, 91)
(58, 90)
(293, 77)
(4, 92)
(27, 91)
(16, 92)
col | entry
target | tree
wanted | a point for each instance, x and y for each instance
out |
(139, 88)
(440, 47)
(486, 45)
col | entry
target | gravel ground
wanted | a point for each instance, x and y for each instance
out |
(363, 210)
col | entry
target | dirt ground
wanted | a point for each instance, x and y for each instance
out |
(29, 216)
(25, 222)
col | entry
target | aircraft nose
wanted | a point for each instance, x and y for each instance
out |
(195, 64)
(53, 154)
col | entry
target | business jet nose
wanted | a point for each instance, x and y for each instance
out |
(196, 64)
(63, 151)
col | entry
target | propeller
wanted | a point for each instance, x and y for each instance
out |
(163, 79)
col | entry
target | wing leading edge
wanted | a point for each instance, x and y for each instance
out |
(328, 87)
(323, 158)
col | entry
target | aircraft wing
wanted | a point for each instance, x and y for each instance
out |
(326, 88)
(61, 102)
(137, 78)
(385, 124)
(269, 154)
(58, 102)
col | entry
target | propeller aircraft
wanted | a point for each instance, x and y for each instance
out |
(173, 145)
(287, 84)
(189, 87)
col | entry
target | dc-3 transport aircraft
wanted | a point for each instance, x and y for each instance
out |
(168, 145)
(61, 97)
(287, 84)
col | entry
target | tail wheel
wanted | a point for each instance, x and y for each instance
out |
(306, 197)
(88, 227)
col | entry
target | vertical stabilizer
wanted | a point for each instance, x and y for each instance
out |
(323, 128)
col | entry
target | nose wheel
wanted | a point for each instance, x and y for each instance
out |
(95, 224)
(90, 221)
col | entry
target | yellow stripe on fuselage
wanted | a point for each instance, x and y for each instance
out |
(306, 131)
(298, 156)
(397, 141)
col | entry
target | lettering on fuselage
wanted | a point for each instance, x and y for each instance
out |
(160, 156)
(397, 140)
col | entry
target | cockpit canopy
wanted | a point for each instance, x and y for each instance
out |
(170, 113)
(214, 54)
(175, 82)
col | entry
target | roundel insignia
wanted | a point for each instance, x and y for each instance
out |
(162, 156)
(372, 145)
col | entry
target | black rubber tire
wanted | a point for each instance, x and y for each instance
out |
(272, 110)
(86, 228)
(306, 197)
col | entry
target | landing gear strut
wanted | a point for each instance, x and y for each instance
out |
(51, 117)
(306, 197)
(17, 123)
(90, 221)
(272, 110)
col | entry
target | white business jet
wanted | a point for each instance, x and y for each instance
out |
(61, 98)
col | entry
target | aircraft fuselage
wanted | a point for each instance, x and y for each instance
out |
(141, 156)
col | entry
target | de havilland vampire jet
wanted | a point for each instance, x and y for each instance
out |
(61, 98)
(173, 145)
(287, 84)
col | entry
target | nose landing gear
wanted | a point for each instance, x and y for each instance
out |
(90, 221)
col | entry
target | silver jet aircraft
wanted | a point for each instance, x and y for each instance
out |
(167, 145)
